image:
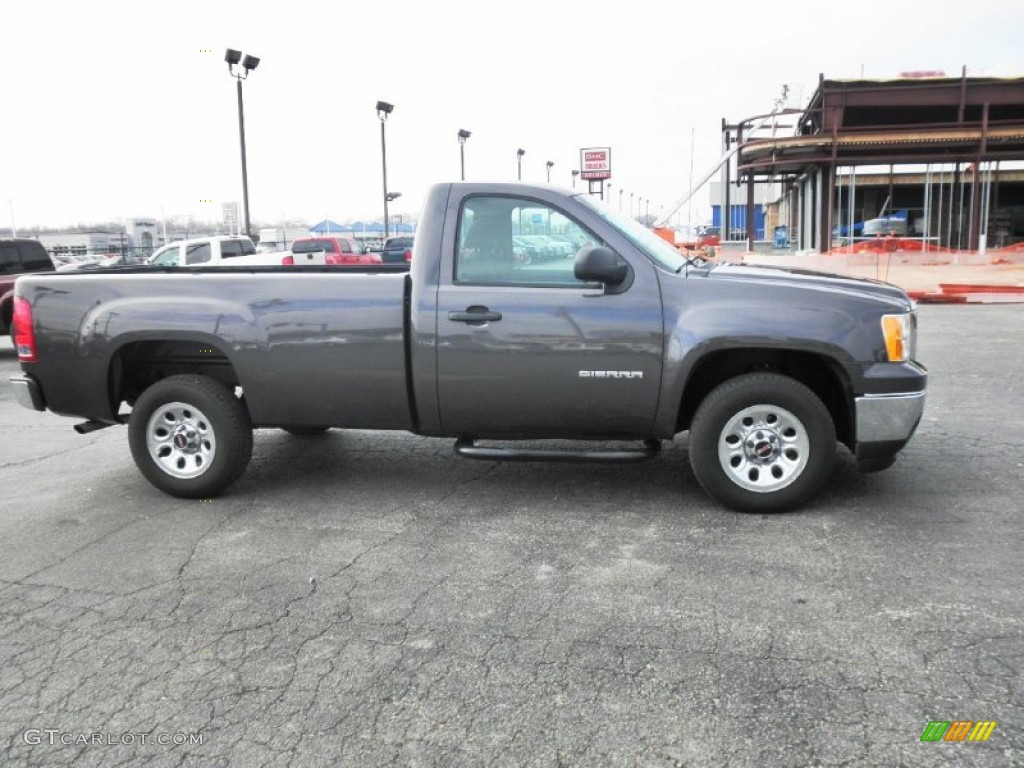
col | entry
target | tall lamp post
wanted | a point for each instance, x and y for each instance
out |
(620, 198)
(631, 204)
(575, 173)
(609, 198)
(390, 197)
(383, 110)
(548, 165)
(519, 162)
(463, 135)
(249, 63)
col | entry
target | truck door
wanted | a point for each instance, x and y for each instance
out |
(526, 349)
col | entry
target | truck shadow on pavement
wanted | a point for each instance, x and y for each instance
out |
(346, 466)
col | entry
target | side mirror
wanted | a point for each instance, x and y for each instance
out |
(595, 263)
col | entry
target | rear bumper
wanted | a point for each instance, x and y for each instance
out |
(27, 392)
(886, 422)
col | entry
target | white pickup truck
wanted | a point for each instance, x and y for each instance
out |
(221, 250)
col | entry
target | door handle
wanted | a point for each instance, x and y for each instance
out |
(475, 315)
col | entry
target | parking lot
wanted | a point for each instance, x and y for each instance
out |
(364, 598)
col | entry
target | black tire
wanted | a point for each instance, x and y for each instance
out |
(305, 431)
(209, 421)
(762, 442)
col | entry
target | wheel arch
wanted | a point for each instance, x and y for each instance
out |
(822, 374)
(139, 363)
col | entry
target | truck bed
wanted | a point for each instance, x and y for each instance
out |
(307, 345)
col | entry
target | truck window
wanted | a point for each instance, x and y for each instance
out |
(312, 246)
(34, 257)
(166, 257)
(10, 262)
(229, 248)
(197, 253)
(495, 244)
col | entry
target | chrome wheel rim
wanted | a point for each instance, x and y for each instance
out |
(764, 448)
(180, 440)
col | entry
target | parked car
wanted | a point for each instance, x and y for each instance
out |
(111, 260)
(397, 249)
(558, 247)
(628, 340)
(199, 251)
(530, 251)
(335, 250)
(18, 256)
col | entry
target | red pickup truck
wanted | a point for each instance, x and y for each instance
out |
(336, 250)
(18, 256)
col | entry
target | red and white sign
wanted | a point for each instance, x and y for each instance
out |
(596, 163)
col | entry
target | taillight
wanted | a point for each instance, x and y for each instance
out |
(24, 332)
(288, 261)
(408, 254)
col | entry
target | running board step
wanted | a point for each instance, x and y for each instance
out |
(468, 449)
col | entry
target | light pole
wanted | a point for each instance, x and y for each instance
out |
(463, 135)
(390, 197)
(574, 175)
(647, 210)
(519, 161)
(383, 110)
(609, 194)
(548, 165)
(620, 198)
(249, 63)
(631, 204)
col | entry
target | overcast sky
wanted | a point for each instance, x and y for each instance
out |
(114, 110)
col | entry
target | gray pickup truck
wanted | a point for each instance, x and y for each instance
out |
(626, 340)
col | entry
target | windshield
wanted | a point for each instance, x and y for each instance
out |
(661, 251)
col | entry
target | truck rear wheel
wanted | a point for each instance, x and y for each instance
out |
(190, 436)
(762, 442)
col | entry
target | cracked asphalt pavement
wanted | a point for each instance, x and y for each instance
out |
(366, 599)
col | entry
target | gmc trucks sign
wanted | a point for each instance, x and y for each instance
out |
(596, 163)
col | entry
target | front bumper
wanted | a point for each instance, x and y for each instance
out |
(28, 393)
(886, 422)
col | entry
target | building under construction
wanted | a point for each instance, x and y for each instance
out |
(924, 156)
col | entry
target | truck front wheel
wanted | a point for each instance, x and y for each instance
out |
(762, 442)
(190, 436)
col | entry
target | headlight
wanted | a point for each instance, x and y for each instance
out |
(898, 331)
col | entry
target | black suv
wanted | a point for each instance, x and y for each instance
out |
(397, 250)
(18, 256)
